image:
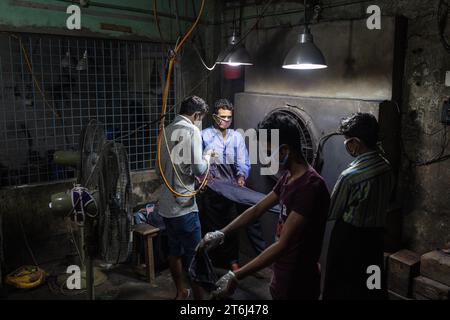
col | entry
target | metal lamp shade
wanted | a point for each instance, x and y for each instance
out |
(305, 55)
(82, 63)
(68, 61)
(237, 56)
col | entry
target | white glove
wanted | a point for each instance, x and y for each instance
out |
(209, 155)
(226, 285)
(211, 240)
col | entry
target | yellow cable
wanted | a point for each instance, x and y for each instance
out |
(30, 67)
(164, 107)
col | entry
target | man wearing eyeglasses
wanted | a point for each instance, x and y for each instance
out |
(232, 164)
(359, 204)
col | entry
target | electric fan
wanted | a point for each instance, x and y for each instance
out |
(100, 200)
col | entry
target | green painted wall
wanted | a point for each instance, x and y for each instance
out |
(48, 15)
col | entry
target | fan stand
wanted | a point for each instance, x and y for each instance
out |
(103, 169)
(99, 278)
(91, 276)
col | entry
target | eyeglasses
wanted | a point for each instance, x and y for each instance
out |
(224, 118)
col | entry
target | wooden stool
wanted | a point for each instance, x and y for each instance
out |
(146, 233)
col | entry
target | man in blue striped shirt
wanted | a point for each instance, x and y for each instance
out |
(359, 204)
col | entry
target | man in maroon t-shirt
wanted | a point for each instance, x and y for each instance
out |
(304, 199)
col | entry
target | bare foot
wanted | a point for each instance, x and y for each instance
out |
(183, 295)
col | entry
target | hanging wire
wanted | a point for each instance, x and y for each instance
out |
(233, 47)
(440, 157)
(25, 239)
(201, 59)
(442, 20)
(162, 132)
(38, 85)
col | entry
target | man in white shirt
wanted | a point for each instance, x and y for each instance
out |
(182, 161)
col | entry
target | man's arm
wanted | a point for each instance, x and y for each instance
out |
(215, 238)
(199, 164)
(339, 198)
(252, 213)
(243, 163)
(292, 230)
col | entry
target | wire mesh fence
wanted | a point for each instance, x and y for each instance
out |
(50, 86)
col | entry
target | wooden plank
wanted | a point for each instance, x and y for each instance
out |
(427, 289)
(435, 265)
(145, 229)
(149, 260)
(404, 266)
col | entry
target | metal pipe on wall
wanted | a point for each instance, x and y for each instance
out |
(137, 10)
(296, 11)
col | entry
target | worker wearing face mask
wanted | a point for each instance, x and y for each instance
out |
(359, 204)
(304, 198)
(232, 164)
(183, 160)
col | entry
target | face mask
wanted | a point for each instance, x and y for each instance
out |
(283, 162)
(221, 122)
(198, 123)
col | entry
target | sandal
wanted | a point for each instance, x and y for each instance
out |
(185, 298)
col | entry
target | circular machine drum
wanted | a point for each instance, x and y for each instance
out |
(308, 139)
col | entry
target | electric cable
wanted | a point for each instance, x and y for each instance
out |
(176, 171)
(440, 157)
(155, 16)
(25, 238)
(442, 20)
(75, 243)
(38, 86)
(30, 68)
(172, 59)
(168, 111)
(317, 163)
(233, 47)
(177, 17)
(201, 59)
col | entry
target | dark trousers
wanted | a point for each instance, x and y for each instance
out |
(216, 212)
(254, 232)
(351, 251)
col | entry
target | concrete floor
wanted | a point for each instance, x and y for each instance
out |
(124, 283)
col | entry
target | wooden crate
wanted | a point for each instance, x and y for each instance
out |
(427, 289)
(404, 266)
(386, 260)
(435, 265)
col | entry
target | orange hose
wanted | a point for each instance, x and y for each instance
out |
(164, 108)
(30, 68)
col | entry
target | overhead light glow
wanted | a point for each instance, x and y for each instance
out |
(235, 54)
(305, 66)
(305, 55)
